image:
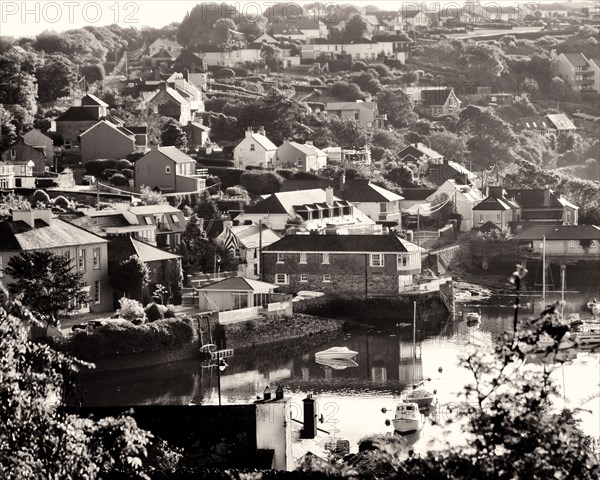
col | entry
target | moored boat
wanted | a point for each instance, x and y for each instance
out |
(407, 418)
(336, 352)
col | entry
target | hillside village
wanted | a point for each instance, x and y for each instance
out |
(222, 181)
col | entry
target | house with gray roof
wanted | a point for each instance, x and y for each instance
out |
(496, 208)
(580, 72)
(304, 157)
(563, 240)
(255, 149)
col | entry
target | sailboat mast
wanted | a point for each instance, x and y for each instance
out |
(414, 339)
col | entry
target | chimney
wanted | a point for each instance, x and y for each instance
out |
(329, 195)
(267, 394)
(496, 191)
(30, 216)
(163, 86)
(546, 197)
(310, 417)
(342, 182)
(279, 393)
(249, 132)
(154, 146)
(261, 130)
(186, 75)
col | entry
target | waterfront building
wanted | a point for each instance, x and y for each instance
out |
(563, 240)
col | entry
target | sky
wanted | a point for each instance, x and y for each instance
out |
(28, 18)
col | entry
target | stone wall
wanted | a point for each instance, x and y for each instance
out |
(258, 332)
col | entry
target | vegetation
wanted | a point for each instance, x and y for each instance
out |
(131, 276)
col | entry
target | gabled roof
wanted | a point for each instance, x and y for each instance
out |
(263, 141)
(250, 236)
(560, 121)
(284, 202)
(121, 248)
(98, 223)
(494, 203)
(306, 149)
(418, 148)
(343, 243)
(462, 170)
(560, 232)
(586, 116)
(172, 153)
(417, 193)
(198, 125)
(162, 53)
(114, 128)
(286, 29)
(488, 227)
(154, 209)
(90, 99)
(365, 191)
(240, 284)
(168, 41)
(174, 94)
(534, 122)
(433, 97)
(533, 198)
(76, 114)
(18, 235)
(576, 59)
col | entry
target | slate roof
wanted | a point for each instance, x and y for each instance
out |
(121, 248)
(494, 203)
(354, 190)
(576, 59)
(342, 243)
(307, 149)
(98, 223)
(121, 130)
(18, 235)
(90, 99)
(560, 232)
(284, 202)
(417, 193)
(286, 29)
(137, 130)
(200, 126)
(418, 150)
(533, 198)
(534, 122)
(488, 227)
(561, 122)
(263, 141)
(240, 284)
(174, 154)
(76, 114)
(152, 209)
(462, 170)
(249, 237)
(432, 97)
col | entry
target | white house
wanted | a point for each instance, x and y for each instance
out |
(497, 209)
(168, 44)
(464, 198)
(304, 157)
(255, 149)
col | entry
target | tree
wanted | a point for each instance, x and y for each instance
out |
(206, 208)
(483, 63)
(367, 82)
(271, 55)
(37, 440)
(93, 73)
(150, 197)
(451, 145)
(356, 28)
(222, 31)
(261, 183)
(173, 135)
(11, 202)
(397, 106)
(46, 282)
(55, 77)
(8, 132)
(131, 276)
(347, 133)
(349, 92)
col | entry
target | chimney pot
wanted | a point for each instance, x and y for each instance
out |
(279, 393)
(267, 394)
(329, 195)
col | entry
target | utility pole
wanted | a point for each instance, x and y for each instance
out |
(418, 227)
(260, 275)
(562, 296)
(544, 268)
(366, 276)
(97, 194)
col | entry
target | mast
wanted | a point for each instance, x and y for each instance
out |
(414, 339)
(562, 296)
(544, 268)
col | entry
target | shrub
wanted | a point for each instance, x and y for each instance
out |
(215, 162)
(240, 72)
(232, 204)
(135, 156)
(109, 172)
(119, 180)
(39, 196)
(62, 202)
(260, 183)
(287, 174)
(127, 173)
(96, 167)
(229, 176)
(154, 311)
(316, 81)
(305, 176)
(170, 312)
(123, 163)
(131, 310)
(382, 70)
(236, 191)
(225, 73)
(358, 66)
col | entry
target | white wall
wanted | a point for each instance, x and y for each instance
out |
(274, 431)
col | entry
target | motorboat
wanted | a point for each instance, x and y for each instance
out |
(336, 363)
(336, 352)
(407, 418)
(473, 317)
(421, 397)
(588, 333)
(594, 306)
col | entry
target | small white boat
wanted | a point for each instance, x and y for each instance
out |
(336, 363)
(588, 333)
(594, 306)
(421, 397)
(407, 418)
(336, 352)
(473, 317)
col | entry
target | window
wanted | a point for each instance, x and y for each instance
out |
(97, 291)
(178, 241)
(402, 260)
(1, 271)
(252, 147)
(148, 220)
(281, 279)
(97, 258)
(67, 255)
(325, 258)
(67, 144)
(13, 153)
(377, 260)
(302, 257)
(568, 218)
(497, 217)
(481, 218)
(167, 169)
(303, 277)
(326, 278)
(81, 259)
(592, 244)
(383, 207)
(280, 257)
(175, 218)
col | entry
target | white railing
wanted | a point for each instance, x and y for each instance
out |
(240, 315)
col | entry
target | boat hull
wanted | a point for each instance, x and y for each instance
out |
(407, 425)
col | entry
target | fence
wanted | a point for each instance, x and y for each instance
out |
(241, 315)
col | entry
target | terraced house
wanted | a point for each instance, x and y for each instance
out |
(366, 265)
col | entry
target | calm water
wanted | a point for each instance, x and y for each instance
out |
(351, 399)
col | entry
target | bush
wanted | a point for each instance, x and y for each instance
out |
(214, 162)
(62, 202)
(135, 156)
(239, 72)
(154, 311)
(127, 173)
(260, 183)
(170, 312)
(109, 172)
(236, 191)
(123, 163)
(232, 204)
(122, 338)
(41, 197)
(382, 70)
(131, 310)
(225, 73)
(286, 174)
(229, 176)
(305, 176)
(96, 167)
(359, 66)
(119, 180)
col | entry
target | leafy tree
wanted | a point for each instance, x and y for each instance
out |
(483, 63)
(347, 133)
(367, 83)
(222, 31)
(348, 92)
(40, 197)
(173, 135)
(397, 106)
(252, 28)
(260, 183)
(450, 145)
(46, 282)
(11, 202)
(150, 197)
(355, 29)
(55, 77)
(131, 276)
(132, 310)
(8, 131)
(206, 208)
(93, 73)
(17, 83)
(271, 55)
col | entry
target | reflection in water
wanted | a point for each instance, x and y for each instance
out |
(386, 363)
